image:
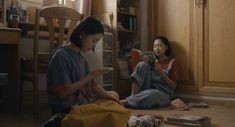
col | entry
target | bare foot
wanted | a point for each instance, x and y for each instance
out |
(125, 103)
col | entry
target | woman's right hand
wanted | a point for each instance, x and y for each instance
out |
(158, 67)
(97, 72)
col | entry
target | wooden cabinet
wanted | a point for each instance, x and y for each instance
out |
(202, 36)
(125, 29)
(218, 47)
(9, 70)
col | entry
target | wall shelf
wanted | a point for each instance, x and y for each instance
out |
(126, 31)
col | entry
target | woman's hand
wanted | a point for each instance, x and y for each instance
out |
(165, 77)
(158, 67)
(101, 92)
(97, 72)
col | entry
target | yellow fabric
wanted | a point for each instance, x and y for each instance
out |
(100, 113)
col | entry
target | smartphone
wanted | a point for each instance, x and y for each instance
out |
(108, 69)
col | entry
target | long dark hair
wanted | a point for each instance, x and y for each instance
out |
(87, 26)
(166, 42)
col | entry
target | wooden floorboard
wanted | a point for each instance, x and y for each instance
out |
(221, 116)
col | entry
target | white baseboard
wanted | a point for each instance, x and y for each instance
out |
(223, 101)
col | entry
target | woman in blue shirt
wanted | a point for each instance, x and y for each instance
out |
(69, 79)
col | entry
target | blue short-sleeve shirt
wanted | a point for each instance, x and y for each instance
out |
(67, 66)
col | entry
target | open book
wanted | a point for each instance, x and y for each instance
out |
(137, 56)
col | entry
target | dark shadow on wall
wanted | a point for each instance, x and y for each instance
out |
(183, 57)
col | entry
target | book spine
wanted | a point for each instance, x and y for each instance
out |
(134, 23)
(131, 23)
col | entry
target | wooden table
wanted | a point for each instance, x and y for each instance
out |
(28, 31)
(10, 65)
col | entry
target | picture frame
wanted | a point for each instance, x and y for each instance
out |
(2, 13)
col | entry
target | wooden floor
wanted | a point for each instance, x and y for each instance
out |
(220, 116)
(25, 118)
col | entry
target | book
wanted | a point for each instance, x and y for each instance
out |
(189, 120)
(148, 56)
(135, 57)
(185, 124)
(138, 55)
(198, 105)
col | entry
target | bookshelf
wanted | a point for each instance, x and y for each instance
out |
(125, 31)
(108, 59)
(102, 57)
(126, 21)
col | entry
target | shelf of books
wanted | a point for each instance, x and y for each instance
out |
(102, 57)
(108, 58)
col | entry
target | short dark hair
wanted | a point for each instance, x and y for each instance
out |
(87, 26)
(166, 42)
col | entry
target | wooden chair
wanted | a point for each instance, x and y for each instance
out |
(57, 35)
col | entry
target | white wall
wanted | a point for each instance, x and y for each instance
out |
(31, 3)
(144, 24)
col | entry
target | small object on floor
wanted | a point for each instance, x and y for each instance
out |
(132, 122)
(144, 121)
(189, 120)
(55, 121)
(156, 116)
(198, 105)
(178, 104)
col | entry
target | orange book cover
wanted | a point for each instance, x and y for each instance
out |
(135, 57)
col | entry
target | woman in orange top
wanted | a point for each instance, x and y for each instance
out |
(153, 83)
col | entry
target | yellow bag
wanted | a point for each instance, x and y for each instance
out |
(103, 112)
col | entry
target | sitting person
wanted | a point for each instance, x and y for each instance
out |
(69, 80)
(153, 83)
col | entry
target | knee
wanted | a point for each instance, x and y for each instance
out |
(143, 65)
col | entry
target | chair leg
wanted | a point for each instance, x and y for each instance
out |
(35, 97)
(21, 94)
(21, 86)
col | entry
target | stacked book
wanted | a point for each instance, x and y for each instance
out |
(189, 120)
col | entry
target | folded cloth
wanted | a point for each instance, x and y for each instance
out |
(178, 104)
(144, 121)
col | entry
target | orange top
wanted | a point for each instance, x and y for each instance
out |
(135, 57)
(174, 75)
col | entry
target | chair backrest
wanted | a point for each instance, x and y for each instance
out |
(135, 57)
(58, 31)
